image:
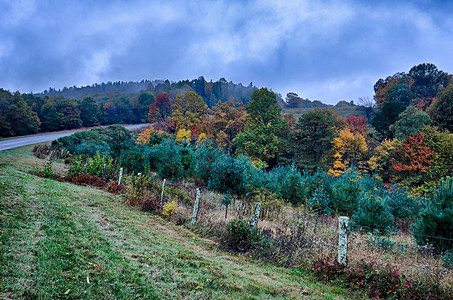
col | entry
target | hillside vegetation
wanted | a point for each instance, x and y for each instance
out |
(59, 240)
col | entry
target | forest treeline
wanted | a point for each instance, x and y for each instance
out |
(406, 137)
(114, 103)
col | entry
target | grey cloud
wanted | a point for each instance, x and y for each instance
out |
(327, 50)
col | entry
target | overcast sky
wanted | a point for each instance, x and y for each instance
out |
(325, 50)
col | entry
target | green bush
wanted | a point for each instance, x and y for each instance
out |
(46, 172)
(95, 165)
(286, 182)
(372, 214)
(346, 191)
(228, 175)
(435, 221)
(204, 157)
(169, 160)
(138, 159)
(238, 235)
(402, 205)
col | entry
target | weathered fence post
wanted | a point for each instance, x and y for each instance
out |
(255, 216)
(121, 176)
(162, 194)
(195, 208)
(343, 240)
(104, 174)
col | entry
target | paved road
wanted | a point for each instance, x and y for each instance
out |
(19, 142)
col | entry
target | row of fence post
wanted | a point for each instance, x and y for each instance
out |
(343, 229)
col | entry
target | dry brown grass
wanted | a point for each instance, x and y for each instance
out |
(417, 263)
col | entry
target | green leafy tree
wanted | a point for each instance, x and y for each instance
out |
(89, 112)
(427, 80)
(313, 137)
(50, 118)
(70, 114)
(259, 140)
(410, 122)
(144, 101)
(388, 115)
(441, 111)
(16, 117)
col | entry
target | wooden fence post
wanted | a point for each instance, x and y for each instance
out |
(162, 194)
(343, 240)
(121, 176)
(195, 208)
(255, 216)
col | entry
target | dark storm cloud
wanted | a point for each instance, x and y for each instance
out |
(327, 50)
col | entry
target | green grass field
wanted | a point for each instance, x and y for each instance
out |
(64, 241)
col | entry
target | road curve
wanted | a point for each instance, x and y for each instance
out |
(29, 140)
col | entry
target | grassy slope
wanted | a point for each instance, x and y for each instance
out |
(64, 241)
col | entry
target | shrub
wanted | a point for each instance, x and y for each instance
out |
(46, 172)
(204, 157)
(372, 214)
(151, 204)
(238, 235)
(286, 183)
(401, 204)
(320, 202)
(378, 281)
(87, 180)
(170, 208)
(228, 175)
(169, 160)
(76, 167)
(346, 190)
(140, 188)
(381, 242)
(435, 222)
(114, 188)
(138, 159)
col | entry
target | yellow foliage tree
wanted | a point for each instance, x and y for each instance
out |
(188, 111)
(183, 135)
(349, 148)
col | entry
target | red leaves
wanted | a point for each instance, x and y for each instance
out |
(412, 156)
(357, 124)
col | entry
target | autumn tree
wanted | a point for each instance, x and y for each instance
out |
(412, 159)
(188, 111)
(349, 149)
(356, 124)
(259, 140)
(441, 142)
(227, 121)
(160, 110)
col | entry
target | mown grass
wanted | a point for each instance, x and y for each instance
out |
(59, 240)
